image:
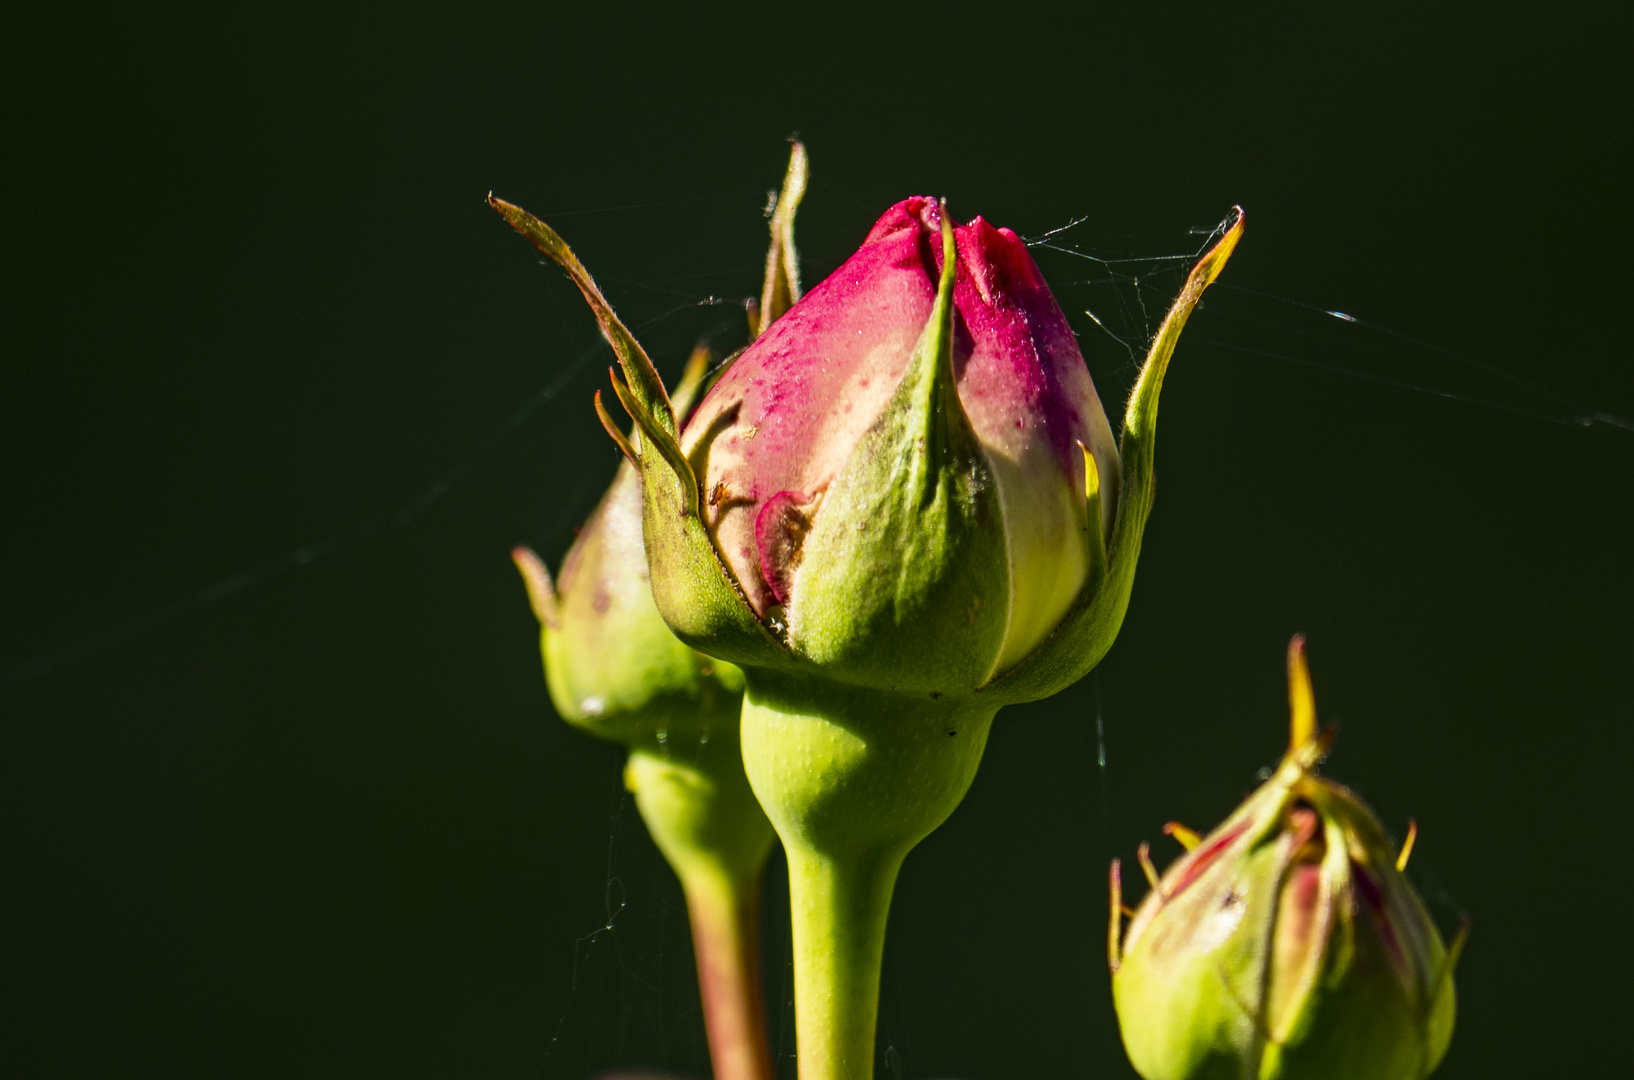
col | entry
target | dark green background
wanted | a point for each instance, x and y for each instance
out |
(325, 824)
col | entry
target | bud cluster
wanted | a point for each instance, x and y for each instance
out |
(899, 508)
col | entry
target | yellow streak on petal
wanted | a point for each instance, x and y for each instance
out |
(1092, 477)
(1094, 519)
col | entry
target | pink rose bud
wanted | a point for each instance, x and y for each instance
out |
(775, 444)
(906, 483)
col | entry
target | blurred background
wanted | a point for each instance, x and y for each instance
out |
(281, 792)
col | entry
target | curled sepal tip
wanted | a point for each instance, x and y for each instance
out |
(1141, 413)
(1407, 846)
(642, 393)
(1186, 838)
(647, 387)
(620, 440)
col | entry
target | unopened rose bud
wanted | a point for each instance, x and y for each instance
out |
(902, 495)
(1286, 944)
(899, 509)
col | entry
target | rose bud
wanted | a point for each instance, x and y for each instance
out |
(1287, 944)
(615, 671)
(612, 665)
(899, 509)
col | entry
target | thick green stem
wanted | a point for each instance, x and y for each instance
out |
(839, 908)
(852, 779)
(695, 799)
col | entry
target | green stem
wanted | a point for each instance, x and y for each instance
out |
(852, 779)
(695, 799)
(839, 909)
(725, 916)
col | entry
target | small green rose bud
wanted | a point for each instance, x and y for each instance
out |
(612, 665)
(1286, 944)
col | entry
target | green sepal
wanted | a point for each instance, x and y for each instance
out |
(692, 586)
(644, 397)
(1087, 631)
(904, 580)
(782, 287)
(645, 383)
(696, 592)
(658, 448)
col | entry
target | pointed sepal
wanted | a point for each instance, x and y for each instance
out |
(782, 288)
(645, 383)
(1301, 696)
(1088, 630)
(694, 590)
(541, 591)
(693, 377)
(620, 440)
(910, 542)
(642, 394)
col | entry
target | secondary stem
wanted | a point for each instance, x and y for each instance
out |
(695, 799)
(725, 919)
